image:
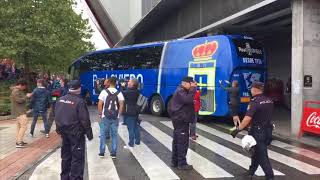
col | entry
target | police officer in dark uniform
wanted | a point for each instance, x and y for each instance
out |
(73, 123)
(181, 111)
(259, 114)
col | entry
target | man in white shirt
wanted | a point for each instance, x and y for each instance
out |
(110, 107)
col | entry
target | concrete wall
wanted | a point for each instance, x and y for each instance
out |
(124, 13)
(147, 5)
(311, 47)
(190, 17)
(135, 12)
(305, 55)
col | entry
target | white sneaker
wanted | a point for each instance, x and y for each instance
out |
(47, 135)
(30, 135)
(128, 147)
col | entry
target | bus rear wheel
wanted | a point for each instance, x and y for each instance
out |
(156, 106)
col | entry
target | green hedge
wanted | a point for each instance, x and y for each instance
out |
(5, 97)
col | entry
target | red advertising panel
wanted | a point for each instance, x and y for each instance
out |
(310, 121)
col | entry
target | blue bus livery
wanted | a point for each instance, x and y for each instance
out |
(160, 66)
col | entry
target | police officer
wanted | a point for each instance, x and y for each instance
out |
(181, 111)
(73, 123)
(259, 114)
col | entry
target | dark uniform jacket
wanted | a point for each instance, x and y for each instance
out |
(72, 116)
(181, 107)
(261, 109)
(131, 98)
(234, 95)
(234, 99)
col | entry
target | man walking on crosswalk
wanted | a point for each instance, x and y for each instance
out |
(181, 111)
(259, 115)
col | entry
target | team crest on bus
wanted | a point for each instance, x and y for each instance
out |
(203, 70)
(204, 51)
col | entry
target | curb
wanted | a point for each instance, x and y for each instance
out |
(3, 118)
(35, 162)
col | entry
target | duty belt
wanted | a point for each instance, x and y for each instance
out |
(265, 126)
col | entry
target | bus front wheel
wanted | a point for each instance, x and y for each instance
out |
(156, 106)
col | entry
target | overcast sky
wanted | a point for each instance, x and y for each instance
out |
(97, 38)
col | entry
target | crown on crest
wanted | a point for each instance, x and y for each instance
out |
(205, 51)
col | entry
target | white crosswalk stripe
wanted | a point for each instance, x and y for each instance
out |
(227, 153)
(154, 167)
(297, 150)
(206, 168)
(294, 149)
(99, 168)
(288, 161)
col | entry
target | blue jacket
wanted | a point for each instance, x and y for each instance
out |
(40, 99)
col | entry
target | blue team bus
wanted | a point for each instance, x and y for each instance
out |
(160, 66)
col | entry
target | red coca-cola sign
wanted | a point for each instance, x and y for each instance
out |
(311, 118)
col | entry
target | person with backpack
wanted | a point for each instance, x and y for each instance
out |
(181, 111)
(110, 108)
(131, 95)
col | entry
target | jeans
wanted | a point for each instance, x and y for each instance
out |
(113, 125)
(51, 116)
(133, 129)
(35, 119)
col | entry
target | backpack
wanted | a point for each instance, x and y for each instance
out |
(111, 105)
(142, 102)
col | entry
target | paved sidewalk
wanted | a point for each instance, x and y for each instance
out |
(14, 160)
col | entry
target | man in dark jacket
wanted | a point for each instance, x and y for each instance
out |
(40, 100)
(131, 113)
(182, 113)
(259, 118)
(73, 123)
(62, 91)
(234, 103)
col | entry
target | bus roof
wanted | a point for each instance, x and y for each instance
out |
(137, 46)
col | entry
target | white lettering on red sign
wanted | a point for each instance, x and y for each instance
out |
(313, 120)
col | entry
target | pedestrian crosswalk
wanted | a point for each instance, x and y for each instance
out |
(301, 166)
(151, 163)
(99, 168)
(229, 154)
(152, 157)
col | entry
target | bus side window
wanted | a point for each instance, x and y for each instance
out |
(145, 58)
(75, 71)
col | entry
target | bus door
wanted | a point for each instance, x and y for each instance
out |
(204, 73)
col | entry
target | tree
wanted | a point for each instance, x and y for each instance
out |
(43, 34)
